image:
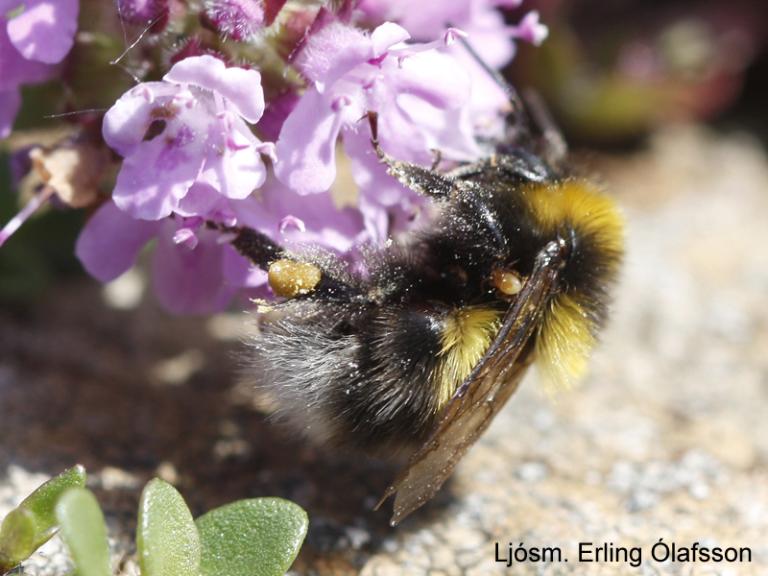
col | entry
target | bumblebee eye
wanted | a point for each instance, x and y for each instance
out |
(507, 282)
(289, 278)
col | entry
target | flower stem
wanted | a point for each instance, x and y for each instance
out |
(31, 207)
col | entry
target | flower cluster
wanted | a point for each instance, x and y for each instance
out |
(255, 117)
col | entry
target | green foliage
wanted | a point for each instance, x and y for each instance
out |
(84, 532)
(42, 502)
(33, 522)
(259, 537)
(17, 535)
(166, 537)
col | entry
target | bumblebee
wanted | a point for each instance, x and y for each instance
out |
(422, 351)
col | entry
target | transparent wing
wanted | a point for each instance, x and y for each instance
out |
(483, 393)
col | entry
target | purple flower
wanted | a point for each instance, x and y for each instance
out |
(41, 30)
(420, 95)
(480, 19)
(188, 129)
(194, 269)
(192, 272)
(489, 35)
(237, 19)
(415, 90)
(14, 68)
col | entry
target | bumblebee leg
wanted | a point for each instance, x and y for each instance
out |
(419, 179)
(288, 276)
(254, 245)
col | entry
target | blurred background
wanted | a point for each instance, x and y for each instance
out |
(664, 105)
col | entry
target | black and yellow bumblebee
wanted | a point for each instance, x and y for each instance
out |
(422, 351)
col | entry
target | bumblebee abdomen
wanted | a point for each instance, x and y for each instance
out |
(378, 383)
(350, 375)
(593, 227)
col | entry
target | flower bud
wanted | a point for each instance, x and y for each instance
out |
(154, 12)
(237, 19)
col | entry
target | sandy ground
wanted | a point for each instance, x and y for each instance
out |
(667, 438)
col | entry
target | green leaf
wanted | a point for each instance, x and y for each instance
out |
(17, 535)
(167, 538)
(42, 502)
(84, 532)
(33, 522)
(259, 537)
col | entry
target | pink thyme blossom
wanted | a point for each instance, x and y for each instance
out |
(414, 89)
(236, 19)
(480, 19)
(194, 269)
(487, 33)
(190, 128)
(188, 277)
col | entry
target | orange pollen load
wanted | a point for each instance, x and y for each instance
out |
(506, 281)
(289, 278)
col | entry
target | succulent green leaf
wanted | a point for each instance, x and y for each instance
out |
(84, 532)
(259, 537)
(33, 522)
(167, 539)
(42, 502)
(17, 539)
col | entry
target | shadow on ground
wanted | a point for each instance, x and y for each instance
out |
(136, 394)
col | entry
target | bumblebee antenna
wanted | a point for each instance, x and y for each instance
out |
(518, 108)
(529, 106)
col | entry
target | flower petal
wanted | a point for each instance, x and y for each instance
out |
(241, 87)
(325, 224)
(14, 68)
(110, 241)
(45, 30)
(158, 174)
(387, 35)
(233, 164)
(333, 51)
(434, 77)
(531, 29)
(237, 270)
(369, 173)
(376, 219)
(200, 200)
(306, 149)
(190, 281)
(126, 122)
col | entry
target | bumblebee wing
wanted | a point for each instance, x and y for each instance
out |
(483, 393)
